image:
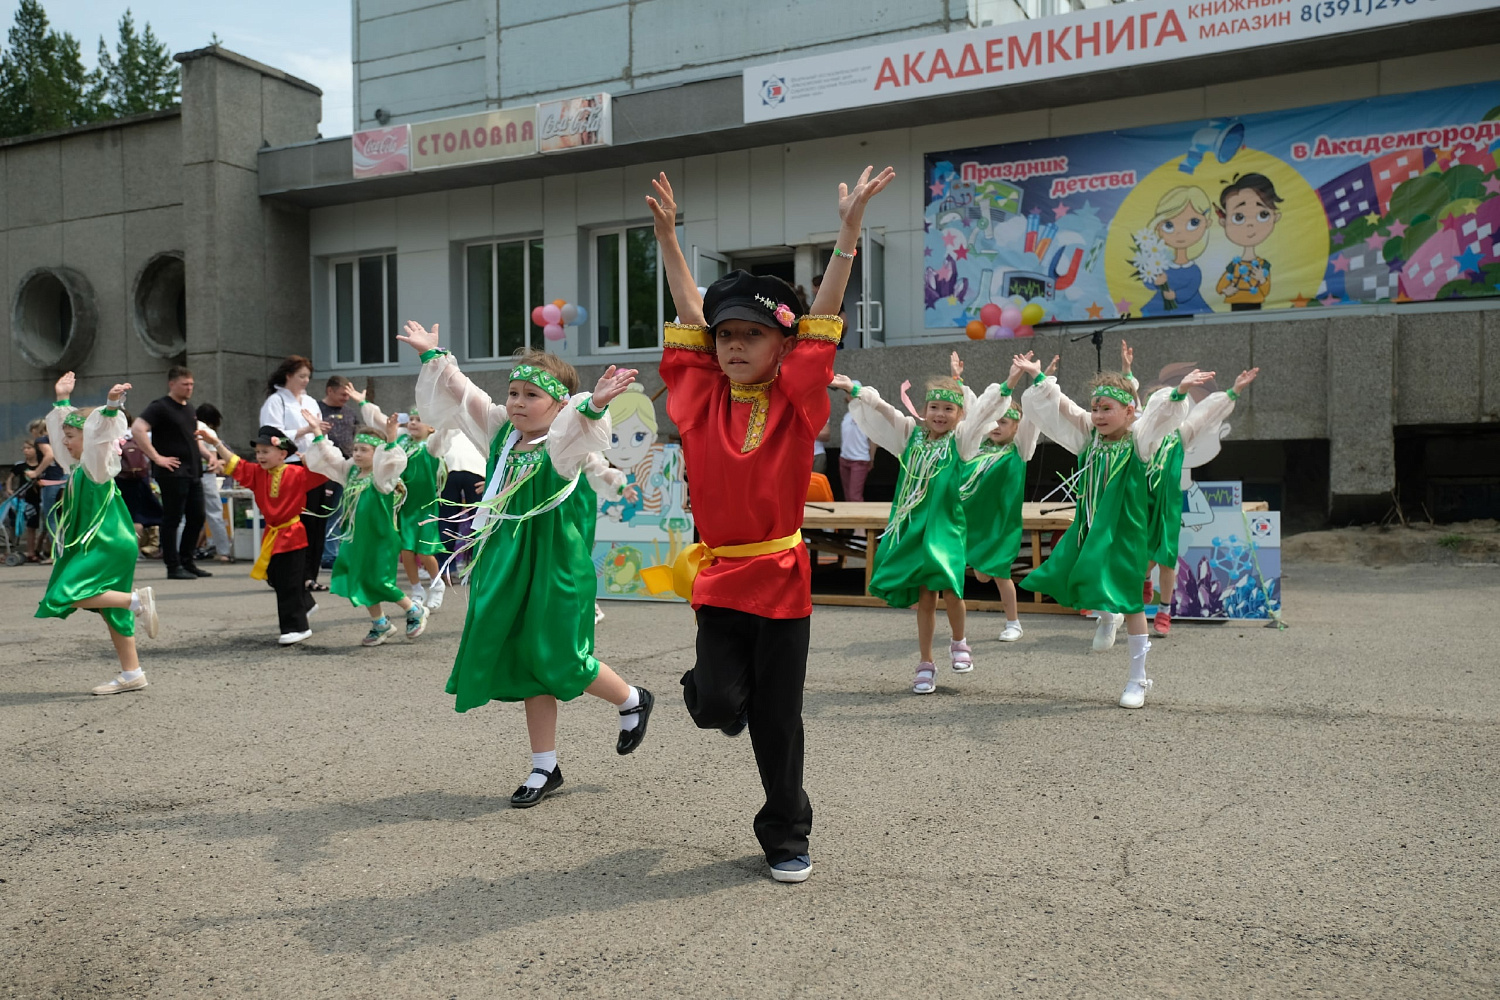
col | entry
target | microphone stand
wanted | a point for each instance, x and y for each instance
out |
(1098, 338)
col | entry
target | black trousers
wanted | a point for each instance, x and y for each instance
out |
(284, 574)
(746, 662)
(461, 487)
(181, 504)
(317, 507)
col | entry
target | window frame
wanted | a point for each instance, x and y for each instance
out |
(388, 341)
(526, 240)
(662, 289)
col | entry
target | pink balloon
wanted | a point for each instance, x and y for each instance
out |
(1010, 317)
(552, 331)
(989, 314)
(1025, 331)
(995, 333)
(551, 314)
(537, 317)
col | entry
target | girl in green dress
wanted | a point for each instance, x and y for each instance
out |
(529, 632)
(417, 520)
(94, 551)
(1101, 561)
(365, 570)
(921, 551)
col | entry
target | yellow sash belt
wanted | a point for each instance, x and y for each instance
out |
(268, 542)
(698, 557)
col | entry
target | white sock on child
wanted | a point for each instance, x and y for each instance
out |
(547, 762)
(1139, 644)
(629, 722)
(135, 602)
(130, 675)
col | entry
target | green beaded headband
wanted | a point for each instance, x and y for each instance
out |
(74, 419)
(1118, 395)
(1012, 414)
(945, 396)
(543, 380)
(369, 439)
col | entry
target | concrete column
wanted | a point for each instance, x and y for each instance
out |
(248, 295)
(1361, 416)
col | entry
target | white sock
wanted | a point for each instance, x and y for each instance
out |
(135, 602)
(547, 762)
(1139, 644)
(130, 675)
(958, 642)
(1012, 623)
(629, 722)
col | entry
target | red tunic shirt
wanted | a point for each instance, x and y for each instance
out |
(280, 495)
(748, 452)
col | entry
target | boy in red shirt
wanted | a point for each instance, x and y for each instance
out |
(280, 492)
(747, 385)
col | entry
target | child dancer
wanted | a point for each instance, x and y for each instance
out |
(992, 488)
(921, 551)
(1193, 444)
(1101, 559)
(417, 520)
(280, 491)
(364, 571)
(529, 632)
(94, 542)
(747, 386)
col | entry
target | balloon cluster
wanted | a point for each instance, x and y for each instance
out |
(557, 314)
(997, 322)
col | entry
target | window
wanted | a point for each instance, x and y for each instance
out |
(364, 310)
(503, 283)
(631, 298)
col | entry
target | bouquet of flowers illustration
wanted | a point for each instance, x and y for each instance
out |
(1149, 258)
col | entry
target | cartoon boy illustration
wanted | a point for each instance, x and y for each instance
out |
(1247, 211)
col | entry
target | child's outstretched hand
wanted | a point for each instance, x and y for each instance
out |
(392, 426)
(1127, 357)
(843, 382)
(1193, 378)
(417, 336)
(358, 396)
(613, 382)
(663, 208)
(1052, 366)
(117, 393)
(65, 385)
(208, 437)
(956, 366)
(313, 422)
(1245, 378)
(1026, 365)
(852, 203)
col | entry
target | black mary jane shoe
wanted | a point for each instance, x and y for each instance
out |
(526, 797)
(737, 726)
(631, 738)
(193, 569)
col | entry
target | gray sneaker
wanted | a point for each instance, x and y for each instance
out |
(416, 621)
(378, 633)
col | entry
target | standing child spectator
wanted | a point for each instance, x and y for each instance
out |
(213, 505)
(417, 520)
(95, 566)
(856, 458)
(22, 483)
(52, 478)
(365, 570)
(747, 386)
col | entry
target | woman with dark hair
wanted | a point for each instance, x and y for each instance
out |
(286, 398)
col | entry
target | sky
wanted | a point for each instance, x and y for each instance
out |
(306, 38)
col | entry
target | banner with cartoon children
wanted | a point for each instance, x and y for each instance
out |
(638, 535)
(1390, 199)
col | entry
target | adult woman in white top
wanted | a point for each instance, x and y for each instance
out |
(286, 398)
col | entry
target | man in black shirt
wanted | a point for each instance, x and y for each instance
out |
(166, 431)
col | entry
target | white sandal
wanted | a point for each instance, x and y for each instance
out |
(963, 659)
(926, 681)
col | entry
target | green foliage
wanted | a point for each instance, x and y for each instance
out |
(43, 85)
(1451, 542)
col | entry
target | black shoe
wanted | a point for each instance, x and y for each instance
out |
(178, 573)
(526, 797)
(631, 738)
(738, 726)
(193, 569)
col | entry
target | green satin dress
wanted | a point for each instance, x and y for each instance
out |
(991, 491)
(365, 570)
(923, 546)
(1164, 512)
(417, 520)
(98, 552)
(529, 630)
(1100, 562)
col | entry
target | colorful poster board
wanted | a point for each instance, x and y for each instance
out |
(1390, 199)
(1228, 559)
(381, 151)
(636, 542)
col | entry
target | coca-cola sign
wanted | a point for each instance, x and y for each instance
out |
(381, 151)
(574, 123)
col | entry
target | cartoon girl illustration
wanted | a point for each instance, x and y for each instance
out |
(1180, 227)
(634, 451)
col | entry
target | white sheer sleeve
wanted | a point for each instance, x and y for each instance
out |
(55, 418)
(882, 423)
(1027, 435)
(101, 444)
(390, 462)
(1057, 416)
(981, 414)
(323, 458)
(446, 398)
(574, 435)
(1162, 416)
(370, 414)
(606, 480)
